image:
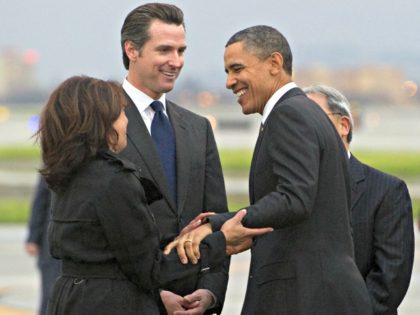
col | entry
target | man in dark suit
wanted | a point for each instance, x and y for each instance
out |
(298, 185)
(37, 243)
(153, 44)
(381, 214)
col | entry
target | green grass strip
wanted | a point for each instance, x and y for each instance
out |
(14, 210)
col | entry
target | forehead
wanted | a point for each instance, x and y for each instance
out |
(320, 99)
(161, 32)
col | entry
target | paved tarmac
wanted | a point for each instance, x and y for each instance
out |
(19, 280)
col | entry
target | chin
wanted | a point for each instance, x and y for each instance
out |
(246, 110)
(168, 85)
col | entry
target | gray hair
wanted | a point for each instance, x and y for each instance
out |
(337, 102)
(262, 41)
(137, 23)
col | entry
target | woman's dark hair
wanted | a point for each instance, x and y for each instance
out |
(76, 124)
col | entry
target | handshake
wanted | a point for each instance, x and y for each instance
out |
(238, 237)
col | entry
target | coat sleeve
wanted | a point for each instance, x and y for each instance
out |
(393, 250)
(214, 200)
(39, 216)
(134, 239)
(294, 153)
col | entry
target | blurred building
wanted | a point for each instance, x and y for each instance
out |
(18, 81)
(382, 85)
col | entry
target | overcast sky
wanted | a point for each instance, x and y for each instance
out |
(82, 36)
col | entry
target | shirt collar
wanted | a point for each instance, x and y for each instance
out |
(275, 98)
(140, 99)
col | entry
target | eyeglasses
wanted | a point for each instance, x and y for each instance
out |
(335, 113)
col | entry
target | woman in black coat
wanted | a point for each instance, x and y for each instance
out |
(101, 227)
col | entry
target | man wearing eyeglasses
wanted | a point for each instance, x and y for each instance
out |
(381, 215)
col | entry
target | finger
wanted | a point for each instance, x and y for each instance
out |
(196, 250)
(193, 251)
(188, 312)
(196, 310)
(190, 301)
(170, 247)
(204, 215)
(181, 252)
(258, 231)
(190, 252)
(239, 215)
(196, 222)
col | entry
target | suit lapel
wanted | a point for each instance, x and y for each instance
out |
(139, 136)
(253, 162)
(288, 94)
(183, 161)
(357, 180)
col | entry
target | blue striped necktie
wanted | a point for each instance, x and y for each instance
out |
(164, 139)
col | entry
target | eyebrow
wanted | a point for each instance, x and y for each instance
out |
(234, 65)
(168, 46)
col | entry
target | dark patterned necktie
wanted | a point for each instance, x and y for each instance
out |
(164, 139)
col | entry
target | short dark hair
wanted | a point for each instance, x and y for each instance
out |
(137, 24)
(262, 41)
(76, 124)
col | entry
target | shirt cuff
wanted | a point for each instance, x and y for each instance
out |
(213, 298)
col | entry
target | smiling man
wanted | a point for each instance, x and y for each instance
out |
(174, 147)
(298, 184)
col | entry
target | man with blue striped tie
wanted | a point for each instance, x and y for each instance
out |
(174, 147)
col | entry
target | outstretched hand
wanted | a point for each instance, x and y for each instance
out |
(196, 222)
(238, 237)
(188, 244)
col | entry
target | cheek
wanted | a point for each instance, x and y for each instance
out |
(259, 97)
(255, 94)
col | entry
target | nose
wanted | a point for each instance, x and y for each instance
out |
(177, 60)
(230, 81)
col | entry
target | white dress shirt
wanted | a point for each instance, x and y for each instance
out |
(275, 98)
(142, 102)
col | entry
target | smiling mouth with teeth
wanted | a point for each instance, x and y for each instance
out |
(169, 74)
(241, 92)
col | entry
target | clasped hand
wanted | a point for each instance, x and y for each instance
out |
(238, 238)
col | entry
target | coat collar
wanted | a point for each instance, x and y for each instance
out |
(114, 158)
(151, 192)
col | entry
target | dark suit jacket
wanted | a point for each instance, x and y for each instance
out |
(105, 234)
(299, 185)
(200, 184)
(382, 222)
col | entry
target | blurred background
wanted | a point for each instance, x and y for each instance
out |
(369, 50)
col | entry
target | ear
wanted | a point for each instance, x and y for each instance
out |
(345, 125)
(131, 50)
(276, 63)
